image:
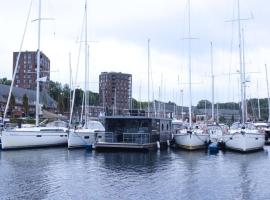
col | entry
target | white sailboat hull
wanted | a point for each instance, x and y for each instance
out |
(191, 141)
(78, 139)
(38, 137)
(244, 142)
(215, 136)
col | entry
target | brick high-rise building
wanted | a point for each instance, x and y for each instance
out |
(26, 74)
(115, 88)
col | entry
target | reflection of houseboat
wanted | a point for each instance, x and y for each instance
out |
(135, 132)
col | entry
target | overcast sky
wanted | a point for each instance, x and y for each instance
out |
(120, 29)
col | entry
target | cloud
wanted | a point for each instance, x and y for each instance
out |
(122, 27)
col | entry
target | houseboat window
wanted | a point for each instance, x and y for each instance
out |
(162, 127)
(167, 127)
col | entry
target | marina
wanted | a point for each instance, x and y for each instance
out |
(129, 117)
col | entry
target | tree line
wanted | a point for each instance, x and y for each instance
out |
(61, 94)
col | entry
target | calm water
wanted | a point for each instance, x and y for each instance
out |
(58, 173)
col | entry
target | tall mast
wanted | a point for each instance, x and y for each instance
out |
(189, 63)
(258, 96)
(70, 82)
(140, 97)
(86, 89)
(241, 65)
(38, 64)
(179, 90)
(244, 77)
(213, 84)
(148, 74)
(182, 107)
(268, 96)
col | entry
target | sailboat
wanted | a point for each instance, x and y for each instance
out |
(243, 137)
(193, 136)
(33, 136)
(92, 130)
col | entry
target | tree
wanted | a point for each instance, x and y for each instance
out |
(25, 104)
(5, 81)
(55, 89)
(201, 104)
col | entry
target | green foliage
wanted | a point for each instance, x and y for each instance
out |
(137, 104)
(61, 94)
(229, 105)
(5, 81)
(202, 103)
(222, 119)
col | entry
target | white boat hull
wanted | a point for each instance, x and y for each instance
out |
(191, 141)
(13, 139)
(77, 139)
(244, 142)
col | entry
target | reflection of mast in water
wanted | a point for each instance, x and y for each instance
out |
(192, 167)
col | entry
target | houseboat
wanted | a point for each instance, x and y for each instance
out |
(135, 132)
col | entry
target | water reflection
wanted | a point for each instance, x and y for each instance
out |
(25, 175)
(59, 173)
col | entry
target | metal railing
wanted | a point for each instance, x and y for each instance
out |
(135, 138)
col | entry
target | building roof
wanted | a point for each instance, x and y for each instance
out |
(18, 93)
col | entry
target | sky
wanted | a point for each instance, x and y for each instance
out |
(118, 31)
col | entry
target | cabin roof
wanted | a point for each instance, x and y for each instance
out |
(136, 117)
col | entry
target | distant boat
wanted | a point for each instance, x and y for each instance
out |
(24, 137)
(192, 136)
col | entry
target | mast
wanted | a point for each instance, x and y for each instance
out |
(179, 90)
(244, 77)
(213, 83)
(38, 64)
(182, 107)
(17, 62)
(241, 65)
(86, 89)
(70, 82)
(189, 64)
(258, 96)
(83, 100)
(268, 96)
(148, 74)
(140, 99)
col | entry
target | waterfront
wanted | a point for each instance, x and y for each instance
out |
(58, 173)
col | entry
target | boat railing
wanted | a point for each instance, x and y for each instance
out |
(135, 138)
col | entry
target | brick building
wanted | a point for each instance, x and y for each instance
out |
(26, 74)
(115, 91)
